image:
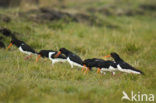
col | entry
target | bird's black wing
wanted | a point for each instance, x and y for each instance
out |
(125, 65)
(106, 64)
(75, 58)
(98, 60)
(86, 61)
(47, 51)
(112, 63)
(26, 47)
(50, 50)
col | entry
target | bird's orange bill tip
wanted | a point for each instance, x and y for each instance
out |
(107, 56)
(98, 70)
(57, 54)
(38, 57)
(9, 46)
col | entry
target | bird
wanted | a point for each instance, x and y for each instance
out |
(90, 63)
(73, 59)
(23, 47)
(102, 65)
(107, 66)
(122, 65)
(50, 54)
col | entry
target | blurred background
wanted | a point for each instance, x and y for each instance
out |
(90, 11)
(70, 3)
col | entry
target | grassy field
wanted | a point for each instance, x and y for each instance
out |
(25, 81)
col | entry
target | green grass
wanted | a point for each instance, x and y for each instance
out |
(24, 81)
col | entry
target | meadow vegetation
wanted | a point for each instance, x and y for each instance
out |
(132, 36)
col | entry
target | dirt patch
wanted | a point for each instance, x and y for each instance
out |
(48, 14)
(51, 14)
(2, 45)
(5, 18)
(111, 10)
(150, 7)
(128, 12)
(89, 19)
(6, 32)
(117, 12)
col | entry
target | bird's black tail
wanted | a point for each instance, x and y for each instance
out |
(139, 71)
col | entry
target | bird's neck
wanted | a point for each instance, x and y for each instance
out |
(51, 54)
(18, 43)
(118, 59)
(67, 53)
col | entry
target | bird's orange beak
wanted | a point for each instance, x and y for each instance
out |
(83, 68)
(57, 54)
(9, 46)
(107, 56)
(98, 70)
(38, 57)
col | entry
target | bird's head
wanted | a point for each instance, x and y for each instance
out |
(61, 51)
(114, 55)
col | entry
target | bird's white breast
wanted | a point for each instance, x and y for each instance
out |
(55, 59)
(109, 69)
(26, 52)
(50, 54)
(74, 63)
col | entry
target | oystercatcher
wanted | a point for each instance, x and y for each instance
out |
(23, 47)
(73, 59)
(90, 63)
(50, 54)
(107, 66)
(102, 65)
(122, 65)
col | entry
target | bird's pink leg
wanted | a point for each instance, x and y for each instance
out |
(27, 57)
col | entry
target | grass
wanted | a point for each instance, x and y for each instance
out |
(24, 81)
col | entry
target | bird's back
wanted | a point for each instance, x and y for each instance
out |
(26, 47)
(75, 58)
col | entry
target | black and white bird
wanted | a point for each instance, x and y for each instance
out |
(50, 54)
(102, 65)
(107, 66)
(73, 59)
(23, 47)
(90, 63)
(123, 66)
